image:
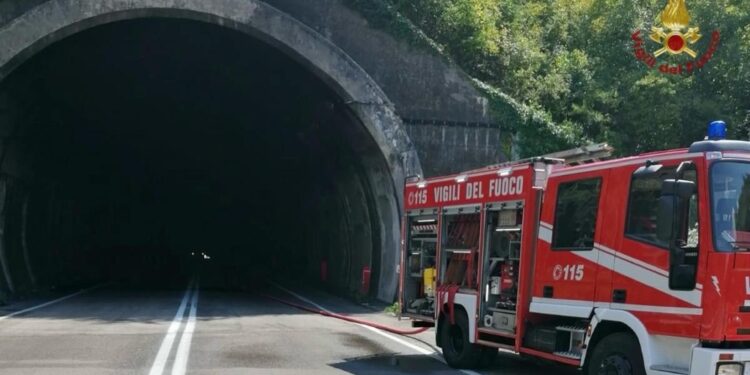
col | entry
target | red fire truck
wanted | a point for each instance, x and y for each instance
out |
(638, 265)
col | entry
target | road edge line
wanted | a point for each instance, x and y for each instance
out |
(48, 303)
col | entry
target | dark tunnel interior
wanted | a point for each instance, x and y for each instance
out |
(143, 151)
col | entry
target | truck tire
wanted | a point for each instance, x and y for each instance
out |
(454, 339)
(617, 354)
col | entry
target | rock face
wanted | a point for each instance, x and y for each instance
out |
(421, 115)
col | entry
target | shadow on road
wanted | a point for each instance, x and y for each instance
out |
(390, 363)
(393, 364)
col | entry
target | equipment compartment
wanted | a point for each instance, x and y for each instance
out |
(502, 252)
(420, 266)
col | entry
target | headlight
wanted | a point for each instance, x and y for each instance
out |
(729, 369)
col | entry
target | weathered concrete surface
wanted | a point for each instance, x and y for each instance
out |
(472, 146)
(421, 84)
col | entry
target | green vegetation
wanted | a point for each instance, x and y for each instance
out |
(563, 72)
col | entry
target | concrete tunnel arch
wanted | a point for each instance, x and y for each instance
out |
(54, 20)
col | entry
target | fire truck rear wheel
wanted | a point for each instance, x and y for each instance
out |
(617, 354)
(457, 350)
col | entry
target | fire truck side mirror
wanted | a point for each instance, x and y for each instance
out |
(683, 189)
(682, 277)
(674, 197)
(665, 218)
(672, 223)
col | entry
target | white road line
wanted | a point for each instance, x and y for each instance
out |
(69, 296)
(166, 345)
(183, 349)
(418, 349)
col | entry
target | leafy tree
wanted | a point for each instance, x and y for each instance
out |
(563, 72)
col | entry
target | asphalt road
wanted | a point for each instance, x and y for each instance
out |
(119, 331)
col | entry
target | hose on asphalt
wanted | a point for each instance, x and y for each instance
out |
(397, 331)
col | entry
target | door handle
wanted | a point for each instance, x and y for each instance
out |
(619, 295)
(548, 291)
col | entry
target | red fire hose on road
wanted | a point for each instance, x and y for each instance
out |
(397, 331)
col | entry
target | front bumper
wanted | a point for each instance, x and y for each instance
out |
(705, 361)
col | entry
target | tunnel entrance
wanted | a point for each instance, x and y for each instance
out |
(138, 150)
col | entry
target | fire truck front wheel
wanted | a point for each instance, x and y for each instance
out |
(457, 350)
(617, 354)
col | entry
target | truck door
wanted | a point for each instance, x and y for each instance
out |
(641, 270)
(567, 262)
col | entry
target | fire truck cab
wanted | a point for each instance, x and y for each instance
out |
(638, 265)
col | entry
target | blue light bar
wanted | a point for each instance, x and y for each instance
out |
(717, 130)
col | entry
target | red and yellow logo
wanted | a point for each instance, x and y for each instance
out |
(675, 36)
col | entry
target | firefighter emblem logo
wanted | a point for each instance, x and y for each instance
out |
(675, 35)
(675, 19)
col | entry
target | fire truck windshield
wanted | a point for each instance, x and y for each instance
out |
(730, 202)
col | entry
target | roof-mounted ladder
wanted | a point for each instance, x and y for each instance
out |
(576, 156)
(583, 155)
